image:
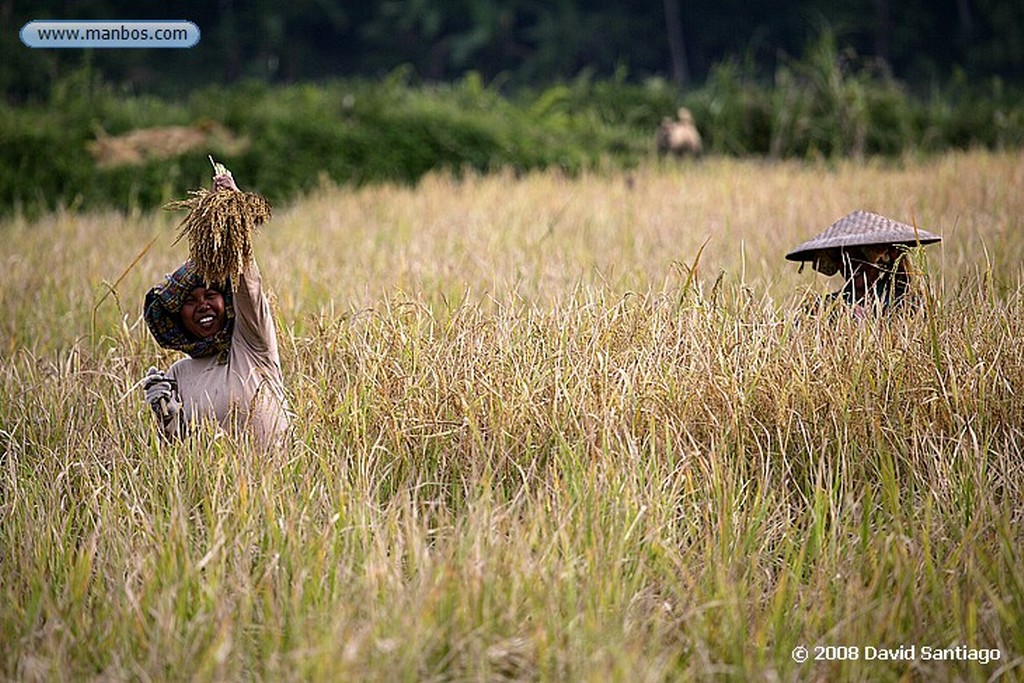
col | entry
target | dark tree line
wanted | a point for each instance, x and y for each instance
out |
(520, 42)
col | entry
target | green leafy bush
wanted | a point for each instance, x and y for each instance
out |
(827, 104)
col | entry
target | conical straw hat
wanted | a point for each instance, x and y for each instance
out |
(862, 228)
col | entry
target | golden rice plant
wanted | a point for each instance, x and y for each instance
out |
(219, 228)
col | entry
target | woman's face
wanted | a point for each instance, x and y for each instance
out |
(203, 312)
(865, 265)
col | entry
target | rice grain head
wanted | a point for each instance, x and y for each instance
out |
(219, 228)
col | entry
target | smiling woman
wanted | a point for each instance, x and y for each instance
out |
(233, 372)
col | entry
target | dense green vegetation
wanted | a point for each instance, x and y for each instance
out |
(825, 105)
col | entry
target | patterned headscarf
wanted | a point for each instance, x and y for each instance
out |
(163, 314)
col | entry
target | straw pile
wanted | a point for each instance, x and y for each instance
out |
(143, 145)
(219, 228)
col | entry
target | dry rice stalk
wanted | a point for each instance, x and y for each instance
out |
(219, 227)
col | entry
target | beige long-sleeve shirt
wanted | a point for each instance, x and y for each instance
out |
(247, 391)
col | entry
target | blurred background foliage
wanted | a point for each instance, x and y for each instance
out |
(292, 95)
(523, 42)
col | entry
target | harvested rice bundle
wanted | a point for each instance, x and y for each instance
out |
(219, 228)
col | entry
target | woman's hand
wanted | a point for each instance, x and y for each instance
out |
(224, 181)
(162, 396)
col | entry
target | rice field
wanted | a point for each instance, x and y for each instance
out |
(546, 428)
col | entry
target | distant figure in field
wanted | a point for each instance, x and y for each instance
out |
(680, 137)
(871, 252)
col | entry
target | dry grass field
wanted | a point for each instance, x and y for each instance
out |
(540, 434)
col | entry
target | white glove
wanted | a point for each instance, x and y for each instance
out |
(162, 396)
